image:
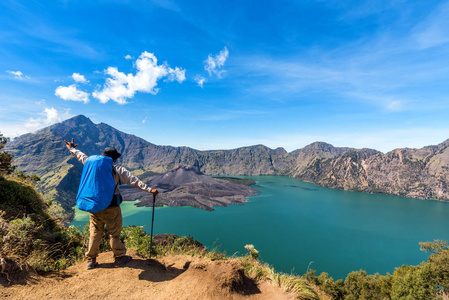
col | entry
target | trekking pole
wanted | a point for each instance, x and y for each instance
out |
(152, 222)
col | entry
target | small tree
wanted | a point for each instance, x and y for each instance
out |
(252, 251)
(6, 166)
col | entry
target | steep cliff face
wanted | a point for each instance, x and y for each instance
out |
(419, 173)
(254, 160)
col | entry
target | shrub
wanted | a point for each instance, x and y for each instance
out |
(136, 238)
(29, 243)
(252, 251)
(30, 235)
(414, 282)
(359, 285)
(335, 289)
(429, 280)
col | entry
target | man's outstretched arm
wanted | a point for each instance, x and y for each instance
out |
(78, 154)
(130, 179)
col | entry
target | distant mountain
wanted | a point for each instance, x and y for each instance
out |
(44, 153)
(419, 173)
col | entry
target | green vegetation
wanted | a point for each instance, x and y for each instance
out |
(429, 280)
(31, 235)
(6, 166)
(252, 251)
(134, 237)
(33, 238)
(299, 285)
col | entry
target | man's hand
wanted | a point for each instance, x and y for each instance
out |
(70, 145)
(154, 191)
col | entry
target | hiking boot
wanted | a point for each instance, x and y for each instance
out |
(91, 263)
(120, 261)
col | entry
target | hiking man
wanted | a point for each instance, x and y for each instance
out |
(99, 187)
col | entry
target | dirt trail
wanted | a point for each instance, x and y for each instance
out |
(170, 277)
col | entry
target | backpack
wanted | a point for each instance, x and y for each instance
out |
(97, 184)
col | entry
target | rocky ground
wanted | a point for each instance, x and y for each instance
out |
(170, 277)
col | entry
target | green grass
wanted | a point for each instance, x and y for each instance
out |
(297, 285)
(134, 237)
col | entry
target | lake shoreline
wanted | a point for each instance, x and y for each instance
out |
(293, 223)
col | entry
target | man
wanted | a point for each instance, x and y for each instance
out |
(112, 215)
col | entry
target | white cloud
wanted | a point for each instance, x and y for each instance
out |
(32, 123)
(392, 69)
(121, 86)
(128, 56)
(12, 130)
(49, 116)
(200, 80)
(79, 78)
(381, 76)
(176, 74)
(71, 93)
(213, 64)
(13, 126)
(17, 75)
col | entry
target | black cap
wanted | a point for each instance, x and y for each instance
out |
(111, 152)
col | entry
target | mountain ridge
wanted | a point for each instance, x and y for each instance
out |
(418, 173)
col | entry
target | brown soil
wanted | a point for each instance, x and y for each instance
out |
(169, 277)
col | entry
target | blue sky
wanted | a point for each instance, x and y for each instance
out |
(225, 74)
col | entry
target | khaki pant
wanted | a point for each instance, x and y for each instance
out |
(112, 217)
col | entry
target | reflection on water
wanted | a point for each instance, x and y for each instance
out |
(301, 187)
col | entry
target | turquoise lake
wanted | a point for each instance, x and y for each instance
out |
(294, 224)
